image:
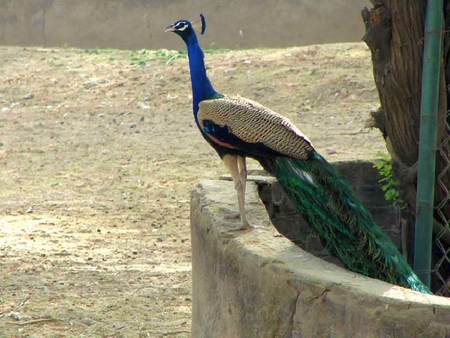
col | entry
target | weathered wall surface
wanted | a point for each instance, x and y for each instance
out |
(258, 284)
(135, 24)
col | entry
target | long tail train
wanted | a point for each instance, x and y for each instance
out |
(344, 225)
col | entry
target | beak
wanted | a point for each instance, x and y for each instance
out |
(169, 29)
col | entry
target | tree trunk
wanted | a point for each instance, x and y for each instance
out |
(395, 36)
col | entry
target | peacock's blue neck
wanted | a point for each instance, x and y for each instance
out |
(201, 86)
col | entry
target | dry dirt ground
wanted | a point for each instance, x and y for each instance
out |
(98, 154)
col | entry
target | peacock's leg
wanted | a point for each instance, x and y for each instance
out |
(242, 170)
(237, 168)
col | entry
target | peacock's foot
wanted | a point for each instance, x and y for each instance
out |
(233, 227)
(230, 214)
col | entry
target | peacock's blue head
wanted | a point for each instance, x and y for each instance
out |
(184, 28)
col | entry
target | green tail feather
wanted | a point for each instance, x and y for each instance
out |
(346, 227)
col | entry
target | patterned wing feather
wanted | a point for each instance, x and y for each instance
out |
(254, 123)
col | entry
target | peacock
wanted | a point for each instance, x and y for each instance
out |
(238, 128)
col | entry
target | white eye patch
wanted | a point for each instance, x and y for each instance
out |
(181, 26)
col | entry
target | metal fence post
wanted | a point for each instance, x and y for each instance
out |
(428, 139)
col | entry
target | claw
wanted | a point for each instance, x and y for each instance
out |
(233, 227)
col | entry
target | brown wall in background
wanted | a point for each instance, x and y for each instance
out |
(136, 24)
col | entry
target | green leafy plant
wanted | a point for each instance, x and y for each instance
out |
(92, 51)
(101, 52)
(139, 57)
(389, 185)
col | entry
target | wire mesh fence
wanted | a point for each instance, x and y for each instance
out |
(441, 228)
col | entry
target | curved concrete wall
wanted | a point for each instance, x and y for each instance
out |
(136, 24)
(258, 284)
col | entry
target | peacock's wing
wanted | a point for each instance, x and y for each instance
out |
(242, 124)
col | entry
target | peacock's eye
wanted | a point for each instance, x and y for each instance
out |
(181, 26)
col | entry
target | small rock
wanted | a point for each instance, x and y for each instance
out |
(143, 106)
(5, 110)
(28, 96)
(134, 252)
(16, 315)
(92, 83)
(160, 239)
(331, 151)
(29, 210)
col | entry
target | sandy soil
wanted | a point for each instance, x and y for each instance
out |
(98, 153)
